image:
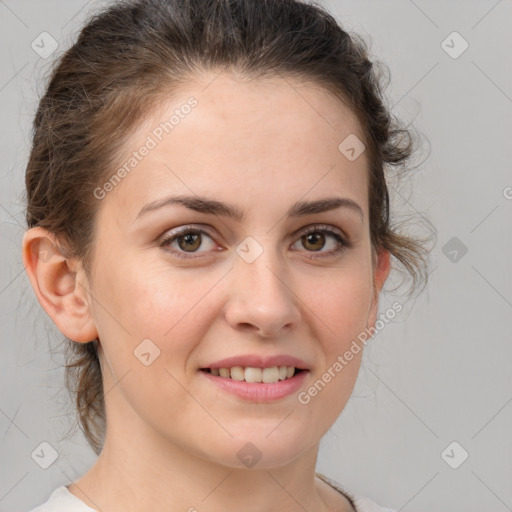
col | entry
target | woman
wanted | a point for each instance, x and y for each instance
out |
(208, 226)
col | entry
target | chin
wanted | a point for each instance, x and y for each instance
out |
(257, 450)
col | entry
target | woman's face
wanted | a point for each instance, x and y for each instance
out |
(260, 279)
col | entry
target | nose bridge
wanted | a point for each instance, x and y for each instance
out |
(260, 264)
(262, 295)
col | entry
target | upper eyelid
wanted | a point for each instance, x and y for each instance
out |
(182, 230)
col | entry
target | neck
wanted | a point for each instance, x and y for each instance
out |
(140, 472)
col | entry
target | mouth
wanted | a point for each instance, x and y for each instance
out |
(257, 377)
(268, 375)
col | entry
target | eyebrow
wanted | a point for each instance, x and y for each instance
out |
(213, 207)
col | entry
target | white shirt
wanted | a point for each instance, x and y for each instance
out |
(61, 500)
(360, 503)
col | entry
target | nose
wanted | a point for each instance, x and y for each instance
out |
(262, 297)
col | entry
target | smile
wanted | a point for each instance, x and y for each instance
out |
(262, 384)
(251, 374)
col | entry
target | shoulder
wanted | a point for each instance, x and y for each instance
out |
(364, 504)
(359, 503)
(61, 500)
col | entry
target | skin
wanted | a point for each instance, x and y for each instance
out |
(172, 437)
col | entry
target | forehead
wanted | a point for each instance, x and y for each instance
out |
(224, 136)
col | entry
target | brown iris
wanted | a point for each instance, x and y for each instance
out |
(314, 238)
(193, 241)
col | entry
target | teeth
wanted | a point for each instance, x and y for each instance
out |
(270, 374)
(237, 373)
(250, 374)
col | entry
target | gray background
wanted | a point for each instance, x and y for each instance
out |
(439, 373)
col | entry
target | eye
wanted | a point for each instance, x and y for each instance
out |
(315, 239)
(184, 242)
(188, 240)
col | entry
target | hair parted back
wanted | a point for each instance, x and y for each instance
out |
(135, 53)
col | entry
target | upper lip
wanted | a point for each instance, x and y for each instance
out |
(258, 361)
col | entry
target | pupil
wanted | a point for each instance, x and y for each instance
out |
(189, 237)
(316, 237)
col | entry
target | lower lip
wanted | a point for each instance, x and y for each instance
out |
(259, 391)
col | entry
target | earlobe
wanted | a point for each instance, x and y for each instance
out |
(381, 271)
(59, 284)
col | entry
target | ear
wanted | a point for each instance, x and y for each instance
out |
(59, 283)
(382, 267)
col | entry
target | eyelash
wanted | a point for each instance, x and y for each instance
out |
(343, 244)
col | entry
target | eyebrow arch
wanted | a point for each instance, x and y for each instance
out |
(211, 206)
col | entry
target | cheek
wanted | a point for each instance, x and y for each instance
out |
(149, 299)
(340, 313)
(148, 326)
(341, 305)
(171, 311)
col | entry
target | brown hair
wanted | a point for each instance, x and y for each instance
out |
(131, 55)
